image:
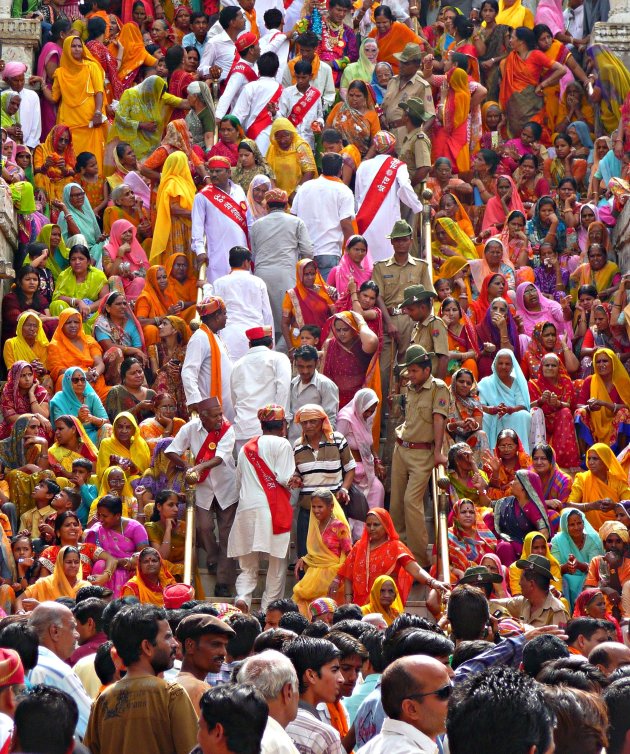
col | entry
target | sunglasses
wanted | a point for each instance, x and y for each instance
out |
(442, 694)
(78, 379)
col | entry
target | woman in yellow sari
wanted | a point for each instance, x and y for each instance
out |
(114, 482)
(328, 543)
(450, 241)
(72, 442)
(30, 344)
(513, 13)
(65, 581)
(79, 91)
(290, 157)
(152, 577)
(127, 446)
(535, 543)
(384, 599)
(175, 198)
(58, 253)
(598, 271)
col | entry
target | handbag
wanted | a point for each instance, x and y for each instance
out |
(357, 507)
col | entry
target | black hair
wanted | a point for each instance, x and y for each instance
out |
(174, 58)
(498, 711)
(541, 29)
(526, 35)
(126, 366)
(348, 645)
(60, 26)
(79, 248)
(539, 579)
(53, 487)
(227, 15)
(293, 621)
(196, 15)
(570, 181)
(268, 64)
(24, 640)
(33, 715)
(373, 643)
(229, 705)
(84, 157)
(306, 353)
(314, 330)
(384, 10)
(203, 608)
(468, 612)
(468, 650)
(370, 285)
(309, 654)
(90, 608)
(112, 610)
(239, 255)
(418, 641)
(191, 48)
(112, 503)
(73, 496)
(272, 638)
(283, 605)
(529, 158)
(617, 698)
(360, 86)
(540, 650)
(492, 3)
(340, 3)
(161, 497)
(345, 612)
(93, 590)
(407, 620)
(33, 250)
(317, 629)
(563, 136)
(25, 270)
(273, 18)
(331, 136)
(351, 626)
(247, 629)
(308, 39)
(95, 27)
(331, 164)
(463, 26)
(104, 665)
(303, 67)
(573, 672)
(491, 159)
(60, 520)
(83, 463)
(121, 147)
(132, 626)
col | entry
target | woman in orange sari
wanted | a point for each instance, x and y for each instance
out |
(527, 72)
(450, 136)
(156, 300)
(182, 284)
(152, 576)
(391, 37)
(135, 54)
(309, 303)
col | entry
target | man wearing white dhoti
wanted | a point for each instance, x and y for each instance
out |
(258, 102)
(219, 214)
(381, 184)
(264, 515)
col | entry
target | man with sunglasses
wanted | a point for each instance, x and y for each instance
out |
(415, 691)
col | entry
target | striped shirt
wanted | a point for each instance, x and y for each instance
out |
(324, 467)
(312, 736)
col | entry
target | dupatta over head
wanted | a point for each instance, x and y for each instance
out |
(50, 588)
(145, 591)
(139, 451)
(495, 214)
(311, 300)
(601, 421)
(159, 300)
(374, 605)
(21, 349)
(550, 311)
(176, 183)
(563, 542)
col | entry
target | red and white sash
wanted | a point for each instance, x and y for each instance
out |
(263, 119)
(228, 206)
(303, 105)
(209, 448)
(245, 70)
(375, 196)
(278, 497)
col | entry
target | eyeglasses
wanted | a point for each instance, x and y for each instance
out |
(442, 693)
(78, 379)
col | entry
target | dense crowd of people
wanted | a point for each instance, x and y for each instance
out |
(278, 261)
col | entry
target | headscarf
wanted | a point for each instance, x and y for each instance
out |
(313, 411)
(582, 234)
(50, 588)
(533, 487)
(257, 209)
(149, 594)
(88, 449)
(352, 413)
(601, 421)
(21, 349)
(322, 606)
(12, 386)
(346, 268)
(244, 176)
(50, 148)
(159, 301)
(175, 183)
(142, 102)
(135, 54)
(495, 214)
(516, 15)
(584, 135)
(287, 164)
(487, 105)
(464, 246)
(563, 542)
(584, 600)
(65, 400)
(139, 451)
(12, 452)
(63, 251)
(177, 137)
(104, 489)
(84, 217)
(450, 268)
(379, 91)
(157, 476)
(609, 459)
(614, 527)
(462, 218)
(536, 351)
(319, 289)
(528, 543)
(482, 305)
(7, 120)
(136, 253)
(69, 353)
(492, 392)
(503, 571)
(537, 232)
(550, 311)
(78, 79)
(362, 70)
(374, 605)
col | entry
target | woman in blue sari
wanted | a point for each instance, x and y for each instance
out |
(77, 218)
(78, 398)
(506, 396)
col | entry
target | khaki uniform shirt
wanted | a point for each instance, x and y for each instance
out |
(392, 278)
(432, 336)
(552, 613)
(397, 93)
(422, 402)
(415, 152)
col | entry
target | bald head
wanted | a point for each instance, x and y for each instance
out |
(609, 656)
(55, 627)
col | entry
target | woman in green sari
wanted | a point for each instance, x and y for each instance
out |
(58, 260)
(250, 164)
(77, 218)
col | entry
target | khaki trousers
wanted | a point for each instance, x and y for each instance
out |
(404, 325)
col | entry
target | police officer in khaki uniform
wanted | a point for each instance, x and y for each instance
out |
(408, 83)
(429, 331)
(418, 449)
(415, 150)
(392, 276)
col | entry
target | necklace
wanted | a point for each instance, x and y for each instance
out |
(323, 531)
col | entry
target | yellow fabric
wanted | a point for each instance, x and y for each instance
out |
(17, 349)
(139, 452)
(288, 166)
(138, 587)
(176, 183)
(375, 606)
(516, 573)
(104, 489)
(464, 246)
(601, 421)
(135, 54)
(515, 16)
(56, 585)
(587, 488)
(322, 564)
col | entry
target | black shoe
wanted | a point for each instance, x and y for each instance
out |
(222, 590)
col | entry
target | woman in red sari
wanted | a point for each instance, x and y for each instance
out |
(527, 72)
(450, 135)
(380, 552)
(96, 29)
(178, 78)
(309, 303)
(552, 392)
(463, 344)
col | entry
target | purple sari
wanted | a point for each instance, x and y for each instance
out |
(118, 544)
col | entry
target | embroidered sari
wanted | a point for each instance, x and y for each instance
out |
(468, 548)
(119, 544)
(14, 402)
(61, 459)
(558, 420)
(357, 128)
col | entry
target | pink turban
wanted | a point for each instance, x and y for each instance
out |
(13, 69)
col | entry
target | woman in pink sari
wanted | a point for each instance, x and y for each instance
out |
(507, 200)
(123, 256)
(355, 264)
(533, 308)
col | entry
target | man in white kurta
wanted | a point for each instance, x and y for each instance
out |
(243, 72)
(219, 219)
(14, 74)
(261, 376)
(197, 368)
(252, 531)
(258, 101)
(216, 495)
(275, 40)
(302, 104)
(322, 80)
(397, 188)
(246, 298)
(219, 50)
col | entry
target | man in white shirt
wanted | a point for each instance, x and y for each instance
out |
(200, 376)
(258, 102)
(219, 215)
(310, 387)
(56, 629)
(302, 103)
(275, 677)
(243, 72)
(414, 692)
(210, 439)
(260, 377)
(274, 39)
(246, 298)
(220, 49)
(30, 110)
(327, 207)
(322, 73)
(265, 466)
